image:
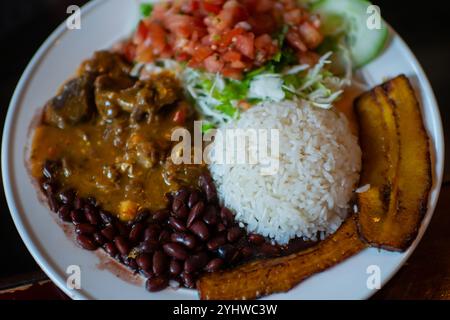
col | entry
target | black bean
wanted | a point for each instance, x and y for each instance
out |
(136, 232)
(216, 242)
(106, 217)
(176, 251)
(234, 234)
(256, 239)
(214, 265)
(152, 232)
(185, 239)
(194, 197)
(77, 217)
(164, 236)
(99, 238)
(200, 229)
(144, 261)
(161, 215)
(109, 232)
(177, 224)
(195, 262)
(188, 280)
(67, 196)
(195, 213)
(227, 216)
(159, 263)
(111, 249)
(157, 283)
(85, 228)
(210, 216)
(122, 245)
(175, 267)
(64, 213)
(227, 252)
(86, 242)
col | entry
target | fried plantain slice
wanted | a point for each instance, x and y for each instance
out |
(263, 277)
(391, 211)
(380, 144)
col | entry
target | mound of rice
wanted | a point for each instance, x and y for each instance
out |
(319, 165)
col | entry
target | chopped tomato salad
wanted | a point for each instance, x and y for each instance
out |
(228, 37)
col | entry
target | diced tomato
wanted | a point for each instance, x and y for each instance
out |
(201, 53)
(129, 51)
(311, 36)
(293, 17)
(309, 58)
(227, 38)
(232, 56)
(157, 37)
(232, 73)
(232, 13)
(211, 8)
(245, 44)
(180, 24)
(180, 115)
(141, 32)
(295, 40)
(213, 63)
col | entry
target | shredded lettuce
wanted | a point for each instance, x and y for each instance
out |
(146, 9)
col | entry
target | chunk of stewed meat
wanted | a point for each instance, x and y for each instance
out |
(108, 94)
(72, 105)
(105, 62)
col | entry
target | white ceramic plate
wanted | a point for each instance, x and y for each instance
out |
(103, 23)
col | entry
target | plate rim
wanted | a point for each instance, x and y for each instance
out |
(47, 265)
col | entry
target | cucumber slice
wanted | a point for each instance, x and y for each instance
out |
(350, 17)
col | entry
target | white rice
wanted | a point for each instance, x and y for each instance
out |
(319, 165)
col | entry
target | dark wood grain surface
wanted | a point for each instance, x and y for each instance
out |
(24, 25)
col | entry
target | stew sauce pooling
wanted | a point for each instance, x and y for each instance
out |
(109, 134)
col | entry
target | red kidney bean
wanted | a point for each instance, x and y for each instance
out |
(99, 238)
(200, 229)
(85, 228)
(161, 215)
(195, 213)
(216, 242)
(234, 234)
(176, 251)
(141, 216)
(159, 263)
(50, 169)
(177, 204)
(214, 265)
(150, 246)
(111, 249)
(77, 217)
(147, 274)
(152, 232)
(106, 217)
(177, 224)
(256, 239)
(64, 213)
(86, 242)
(195, 262)
(194, 197)
(78, 203)
(144, 261)
(246, 252)
(182, 195)
(210, 215)
(92, 201)
(49, 187)
(53, 203)
(185, 239)
(227, 252)
(227, 216)
(164, 236)
(157, 283)
(269, 249)
(92, 217)
(122, 245)
(123, 230)
(175, 267)
(109, 232)
(188, 280)
(182, 212)
(136, 232)
(131, 263)
(208, 187)
(221, 227)
(67, 196)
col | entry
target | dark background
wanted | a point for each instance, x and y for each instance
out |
(24, 25)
